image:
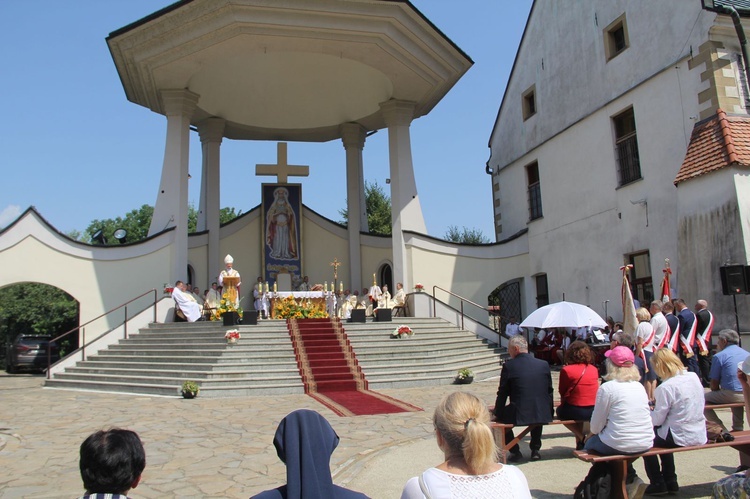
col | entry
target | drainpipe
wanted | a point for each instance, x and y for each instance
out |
(726, 9)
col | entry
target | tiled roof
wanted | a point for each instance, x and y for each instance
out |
(716, 142)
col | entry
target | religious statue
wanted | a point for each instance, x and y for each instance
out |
(232, 284)
(281, 227)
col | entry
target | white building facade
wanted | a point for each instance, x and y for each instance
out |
(591, 134)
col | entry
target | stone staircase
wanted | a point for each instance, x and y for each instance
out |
(432, 356)
(159, 358)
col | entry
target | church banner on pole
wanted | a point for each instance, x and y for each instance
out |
(282, 241)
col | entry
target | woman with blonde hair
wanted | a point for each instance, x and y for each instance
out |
(621, 421)
(677, 417)
(470, 468)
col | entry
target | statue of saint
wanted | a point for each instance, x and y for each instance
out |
(281, 227)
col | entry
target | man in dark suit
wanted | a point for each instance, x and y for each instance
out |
(687, 332)
(527, 381)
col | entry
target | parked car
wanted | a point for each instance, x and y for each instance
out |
(30, 352)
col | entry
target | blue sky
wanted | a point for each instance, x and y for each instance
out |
(72, 145)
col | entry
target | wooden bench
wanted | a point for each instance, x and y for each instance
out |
(619, 463)
(498, 431)
(725, 406)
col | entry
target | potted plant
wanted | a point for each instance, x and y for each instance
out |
(232, 336)
(190, 389)
(465, 376)
(402, 332)
(418, 287)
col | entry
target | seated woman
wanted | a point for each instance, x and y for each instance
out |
(304, 441)
(470, 468)
(678, 418)
(579, 382)
(621, 421)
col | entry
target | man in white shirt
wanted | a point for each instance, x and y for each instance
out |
(512, 328)
(659, 323)
(305, 284)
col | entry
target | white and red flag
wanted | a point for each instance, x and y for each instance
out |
(629, 320)
(665, 282)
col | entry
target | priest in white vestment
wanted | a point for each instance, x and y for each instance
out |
(186, 302)
(384, 300)
(213, 297)
(261, 302)
(400, 297)
(229, 271)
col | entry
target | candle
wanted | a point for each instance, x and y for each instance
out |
(374, 281)
(266, 286)
(260, 287)
(341, 287)
(274, 287)
(325, 286)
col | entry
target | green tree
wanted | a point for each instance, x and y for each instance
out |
(137, 223)
(465, 235)
(35, 308)
(378, 205)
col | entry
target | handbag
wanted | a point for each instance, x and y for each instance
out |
(716, 433)
(571, 388)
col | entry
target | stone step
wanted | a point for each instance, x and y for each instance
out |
(250, 371)
(175, 391)
(240, 379)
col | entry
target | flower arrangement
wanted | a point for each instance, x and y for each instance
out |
(190, 389)
(168, 289)
(402, 331)
(289, 308)
(232, 334)
(225, 306)
(419, 287)
(464, 374)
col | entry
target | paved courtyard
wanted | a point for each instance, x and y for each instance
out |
(223, 447)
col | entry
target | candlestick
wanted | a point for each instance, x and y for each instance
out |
(275, 288)
(266, 286)
(374, 281)
(341, 287)
(325, 286)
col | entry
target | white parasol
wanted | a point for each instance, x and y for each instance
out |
(563, 314)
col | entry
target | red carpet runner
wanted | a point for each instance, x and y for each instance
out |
(331, 373)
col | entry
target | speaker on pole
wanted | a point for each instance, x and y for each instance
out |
(733, 279)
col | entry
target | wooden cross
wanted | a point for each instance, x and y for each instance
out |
(282, 169)
(335, 264)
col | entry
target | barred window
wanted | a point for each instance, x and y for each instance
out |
(626, 145)
(534, 191)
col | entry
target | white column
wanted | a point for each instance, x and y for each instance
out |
(406, 212)
(211, 132)
(353, 138)
(171, 209)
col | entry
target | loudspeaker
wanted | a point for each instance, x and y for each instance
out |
(358, 315)
(231, 318)
(383, 315)
(250, 317)
(733, 281)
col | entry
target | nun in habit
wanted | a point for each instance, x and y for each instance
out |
(304, 441)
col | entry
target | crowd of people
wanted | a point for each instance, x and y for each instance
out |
(651, 389)
(656, 382)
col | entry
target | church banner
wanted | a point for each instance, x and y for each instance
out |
(282, 238)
